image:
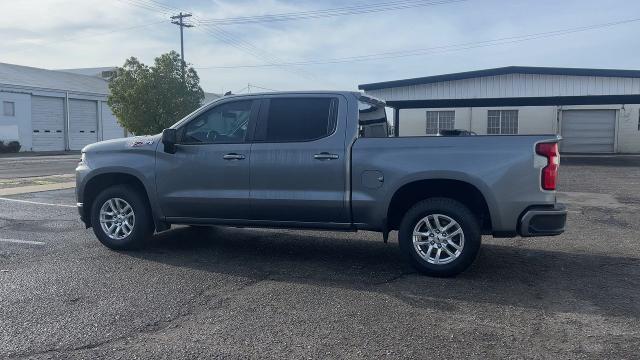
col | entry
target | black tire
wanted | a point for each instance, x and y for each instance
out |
(143, 224)
(467, 221)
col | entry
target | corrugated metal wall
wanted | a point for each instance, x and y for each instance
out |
(513, 85)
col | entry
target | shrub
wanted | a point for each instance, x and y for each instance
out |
(10, 147)
(14, 146)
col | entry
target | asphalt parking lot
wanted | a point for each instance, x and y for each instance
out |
(250, 293)
(29, 166)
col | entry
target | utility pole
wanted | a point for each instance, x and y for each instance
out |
(182, 25)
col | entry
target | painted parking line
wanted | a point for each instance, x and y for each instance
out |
(16, 241)
(36, 202)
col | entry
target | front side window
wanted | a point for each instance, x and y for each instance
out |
(298, 119)
(440, 120)
(8, 108)
(502, 122)
(225, 124)
(372, 120)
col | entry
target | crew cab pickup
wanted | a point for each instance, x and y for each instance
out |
(322, 160)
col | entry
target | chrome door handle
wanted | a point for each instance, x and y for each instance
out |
(325, 156)
(233, 156)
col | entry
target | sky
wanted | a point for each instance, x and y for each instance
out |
(58, 34)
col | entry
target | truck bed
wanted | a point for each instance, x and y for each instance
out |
(503, 168)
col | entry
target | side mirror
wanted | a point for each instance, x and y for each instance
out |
(169, 139)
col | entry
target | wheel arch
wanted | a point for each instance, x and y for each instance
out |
(94, 185)
(412, 192)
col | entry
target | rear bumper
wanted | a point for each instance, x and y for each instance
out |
(543, 221)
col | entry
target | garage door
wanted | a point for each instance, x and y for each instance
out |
(588, 131)
(83, 123)
(47, 119)
(110, 127)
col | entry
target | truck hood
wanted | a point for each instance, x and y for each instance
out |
(132, 143)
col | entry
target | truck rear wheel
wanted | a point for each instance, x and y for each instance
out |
(121, 218)
(440, 237)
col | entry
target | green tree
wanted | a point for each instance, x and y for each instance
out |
(147, 99)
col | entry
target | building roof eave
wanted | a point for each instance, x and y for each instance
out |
(516, 101)
(503, 71)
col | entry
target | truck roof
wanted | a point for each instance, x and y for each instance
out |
(298, 92)
(357, 94)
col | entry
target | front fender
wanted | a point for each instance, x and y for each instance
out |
(139, 164)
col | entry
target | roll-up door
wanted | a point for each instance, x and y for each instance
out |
(588, 131)
(83, 123)
(47, 119)
(110, 127)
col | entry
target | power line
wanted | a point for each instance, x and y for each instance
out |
(361, 8)
(180, 22)
(152, 5)
(272, 61)
(436, 49)
(241, 90)
(123, 29)
(220, 34)
(165, 9)
(262, 88)
(249, 86)
(251, 49)
(324, 13)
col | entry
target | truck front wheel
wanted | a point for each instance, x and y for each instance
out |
(440, 237)
(121, 218)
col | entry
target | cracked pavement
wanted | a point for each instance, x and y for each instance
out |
(255, 293)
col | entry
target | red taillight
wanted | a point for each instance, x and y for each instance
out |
(550, 172)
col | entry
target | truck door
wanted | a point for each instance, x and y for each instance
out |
(208, 176)
(298, 165)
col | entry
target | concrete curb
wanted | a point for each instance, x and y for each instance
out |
(36, 188)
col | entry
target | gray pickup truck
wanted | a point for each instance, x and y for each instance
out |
(322, 160)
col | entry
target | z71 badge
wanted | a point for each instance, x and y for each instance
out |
(137, 142)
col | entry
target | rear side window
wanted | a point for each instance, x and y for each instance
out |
(298, 119)
(372, 120)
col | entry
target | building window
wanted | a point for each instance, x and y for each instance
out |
(8, 108)
(440, 120)
(502, 122)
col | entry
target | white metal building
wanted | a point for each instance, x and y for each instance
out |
(595, 110)
(48, 110)
(105, 72)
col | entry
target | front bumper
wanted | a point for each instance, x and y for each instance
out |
(81, 172)
(543, 221)
(83, 214)
(80, 207)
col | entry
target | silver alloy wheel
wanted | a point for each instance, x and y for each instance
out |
(438, 239)
(117, 218)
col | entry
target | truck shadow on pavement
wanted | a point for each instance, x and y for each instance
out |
(502, 275)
